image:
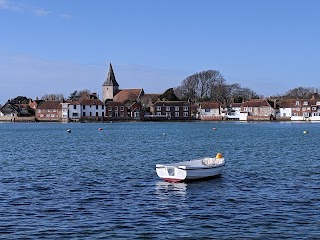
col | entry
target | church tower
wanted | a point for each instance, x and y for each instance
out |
(110, 86)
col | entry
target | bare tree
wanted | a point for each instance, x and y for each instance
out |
(301, 92)
(57, 97)
(199, 86)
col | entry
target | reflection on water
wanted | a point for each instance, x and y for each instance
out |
(167, 189)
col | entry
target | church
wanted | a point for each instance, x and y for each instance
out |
(121, 104)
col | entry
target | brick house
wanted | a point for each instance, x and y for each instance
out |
(259, 109)
(170, 110)
(49, 111)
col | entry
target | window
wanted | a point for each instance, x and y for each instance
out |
(250, 109)
(245, 109)
(41, 115)
(39, 110)
(102, 114)
(304, 108)
(176, 114)
(75, 114)
(74, 107)
(176, 108)
(53, 115)
(109, 109)
(121, 108)
(97, 107)
(90, 114)
(84, 114)
(185, 114)
(297, 103)
(158, 108)
(306, 114)
(314, 108)
(102, 107)
(167, 108)
(97, 115)
(84, 107)
(47, 115)
(49, 110)
(305, 103)
(122, 114)
(116, 108)
(158, 113)
(54, 110)
(185, 108)
(207, 110)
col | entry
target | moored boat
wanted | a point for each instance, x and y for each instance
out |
(206, 167)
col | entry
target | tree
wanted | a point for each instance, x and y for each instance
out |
(52, 96)
(243, 94)
(205, 85)
(77, 95)
(301, 92)
(74, 96)
(20, 100)
(169, 95)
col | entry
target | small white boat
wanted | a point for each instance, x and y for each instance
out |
(191, 170)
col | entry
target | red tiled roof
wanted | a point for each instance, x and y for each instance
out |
(256, 103)
(73, 102)
(91, 102)
(210, 105)
(50, 104)
(127, 95)
(235, 104)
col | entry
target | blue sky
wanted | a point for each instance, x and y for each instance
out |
(60, 46)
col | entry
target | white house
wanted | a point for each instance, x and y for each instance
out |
(92, 109)
(210, 111)
(74, 111)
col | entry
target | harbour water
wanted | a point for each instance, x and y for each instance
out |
(91, 184)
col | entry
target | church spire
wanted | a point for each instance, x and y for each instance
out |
(111, 79)
(110, 87)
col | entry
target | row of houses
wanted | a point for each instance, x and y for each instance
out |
(263, 109)
(96, 110)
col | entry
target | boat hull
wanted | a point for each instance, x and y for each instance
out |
(189, 170)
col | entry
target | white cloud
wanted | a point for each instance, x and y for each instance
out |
(6, 5)
(65, 16)
(9, 5)
(41, 12)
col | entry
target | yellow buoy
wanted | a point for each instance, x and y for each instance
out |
(219, 155)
